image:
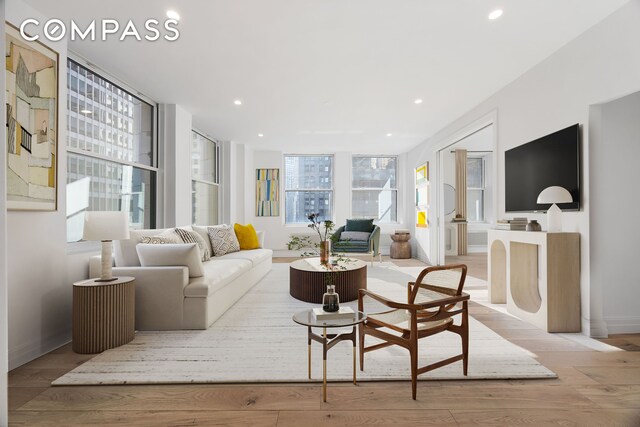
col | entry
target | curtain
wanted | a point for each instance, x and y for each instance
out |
(461, 199)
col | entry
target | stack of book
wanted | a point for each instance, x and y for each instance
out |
(512, 224)
(342, 313)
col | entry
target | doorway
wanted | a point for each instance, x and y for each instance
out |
(479, 194)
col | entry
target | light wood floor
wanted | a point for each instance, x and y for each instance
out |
(593, 389)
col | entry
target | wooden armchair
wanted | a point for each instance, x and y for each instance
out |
(433, 300)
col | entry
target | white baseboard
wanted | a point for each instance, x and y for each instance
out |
(623, 324)
(479, 249)
(36, 348)
(596, 328)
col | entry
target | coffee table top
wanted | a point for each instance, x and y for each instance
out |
(313, 265)
(307, 318)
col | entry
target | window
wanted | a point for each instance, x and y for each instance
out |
(475, 189)
(308, 187)
(374, 188)
(111, 151)
(205, 177)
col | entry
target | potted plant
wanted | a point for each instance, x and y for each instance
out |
(323, 247)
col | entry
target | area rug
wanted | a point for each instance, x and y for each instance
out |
(256, 341)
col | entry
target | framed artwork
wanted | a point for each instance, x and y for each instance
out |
(422, 195)
(422, 174)
(267, 192)
(32, 124)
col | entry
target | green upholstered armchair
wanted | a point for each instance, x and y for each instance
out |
(360, 236)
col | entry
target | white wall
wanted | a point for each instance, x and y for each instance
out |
(278, 233)
(614, 232)
(175, 131)
(4, 349)
(601, 64)
(40, 298)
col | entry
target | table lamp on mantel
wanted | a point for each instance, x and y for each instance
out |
(553, 195)
(106, 227)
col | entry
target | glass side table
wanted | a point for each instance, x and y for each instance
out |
(306, 318)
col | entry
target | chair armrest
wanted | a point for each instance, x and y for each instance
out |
(336, 234)
(374, 240)
(382, 300)
(412, 307)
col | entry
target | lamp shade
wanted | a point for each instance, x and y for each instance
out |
(554, 194)
(106, 226)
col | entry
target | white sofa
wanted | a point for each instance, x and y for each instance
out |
(167, 299)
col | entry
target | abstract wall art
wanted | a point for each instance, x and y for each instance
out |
(32, 124)
(267, 192)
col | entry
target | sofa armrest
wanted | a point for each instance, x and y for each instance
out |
(260, 238)
(159, 296)
(374, 240)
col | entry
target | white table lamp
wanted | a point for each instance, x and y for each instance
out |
(106, 227)
(554, 195)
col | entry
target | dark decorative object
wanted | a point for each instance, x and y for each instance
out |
(533, 225)
(331, 300)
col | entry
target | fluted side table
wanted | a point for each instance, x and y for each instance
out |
(103, 314)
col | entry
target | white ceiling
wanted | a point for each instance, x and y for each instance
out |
(330, 75)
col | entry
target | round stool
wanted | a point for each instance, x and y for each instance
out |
(401, 248)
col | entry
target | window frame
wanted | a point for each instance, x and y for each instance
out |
(395, 189)
(330, 190)
(217, 150)
(156, 191)
(482, 189)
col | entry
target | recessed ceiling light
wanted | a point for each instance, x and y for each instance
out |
(86, 111)
(237, 102)
(418, 101)
(495, 14)
(172, 14)
(389, 134)
(260, 135)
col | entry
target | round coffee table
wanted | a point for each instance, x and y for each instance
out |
(308, 282)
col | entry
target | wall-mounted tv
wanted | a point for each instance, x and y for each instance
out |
(551, 160)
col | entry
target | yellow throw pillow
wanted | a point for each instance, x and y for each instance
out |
(247, 236)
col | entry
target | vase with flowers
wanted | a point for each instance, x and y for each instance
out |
(321, 248)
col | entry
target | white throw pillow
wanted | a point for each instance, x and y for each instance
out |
(189, 236)
(181, 254)
(223, 239)
(166, 237)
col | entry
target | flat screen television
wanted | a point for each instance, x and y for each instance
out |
(551, 160)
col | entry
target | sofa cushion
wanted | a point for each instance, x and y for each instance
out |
(125, 250)
(223, 240)
(256, 256)
(355, 235)
(217, 274)
(247, 236)
(181, 254)
(351, 246)
(359, 225)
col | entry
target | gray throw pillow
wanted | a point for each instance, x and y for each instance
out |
(355, 235)
(223, 239)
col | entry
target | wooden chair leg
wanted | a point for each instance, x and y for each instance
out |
(465, 338)
(414, 371)
(361, 341)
